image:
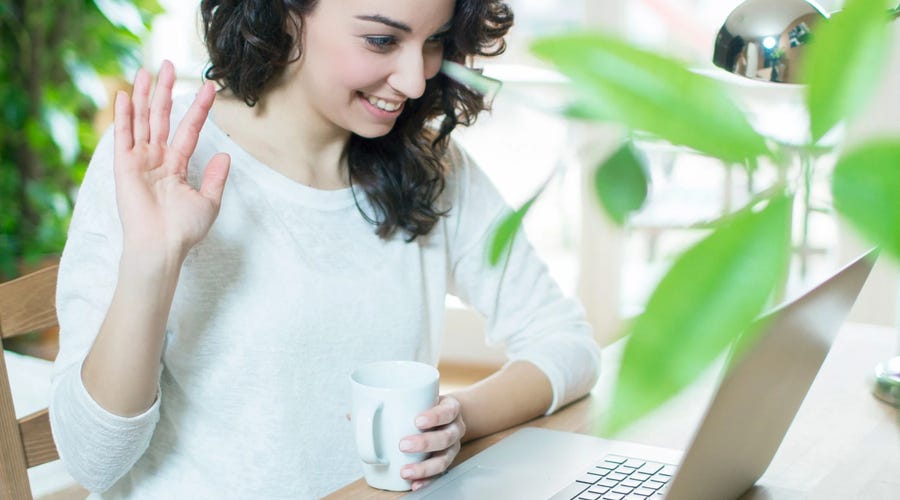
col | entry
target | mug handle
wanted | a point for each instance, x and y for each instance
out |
(365, 434)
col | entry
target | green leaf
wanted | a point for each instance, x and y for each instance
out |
(124, 14)
(866, 189)
(845, 62)
(651, 93)
(86, 80)
(63, 129)
(620, 183)
(149, 9)
(711, 294)
(506, 231)
(472, 78)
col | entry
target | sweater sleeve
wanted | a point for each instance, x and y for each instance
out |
(526, 312)
(96, 446)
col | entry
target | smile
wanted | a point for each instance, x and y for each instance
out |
(382, 104)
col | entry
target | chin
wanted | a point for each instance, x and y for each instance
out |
(373, 132)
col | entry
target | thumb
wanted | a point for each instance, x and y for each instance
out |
(214, 178)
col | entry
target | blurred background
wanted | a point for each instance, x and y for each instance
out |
(61, 62)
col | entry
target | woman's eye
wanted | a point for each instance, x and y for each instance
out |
(380, 42)
(437, 39)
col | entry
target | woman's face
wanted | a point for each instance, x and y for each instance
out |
(363, 59)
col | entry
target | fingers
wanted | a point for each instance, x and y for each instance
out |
(446, 411)
(436, 440)
(417, 485)
(214, 177)
(188, 130)
(161, 107)
(124, 138)
(434, 466)
(445, 429)
(443, 426)
(140, 100)
(136, 121)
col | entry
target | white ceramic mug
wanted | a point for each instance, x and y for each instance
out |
(387, 397)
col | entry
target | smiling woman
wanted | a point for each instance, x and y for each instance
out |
(233, 259)
(385, 59)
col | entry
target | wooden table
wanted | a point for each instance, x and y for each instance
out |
(843, 444)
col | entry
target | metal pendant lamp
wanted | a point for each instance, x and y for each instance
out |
(765, 39)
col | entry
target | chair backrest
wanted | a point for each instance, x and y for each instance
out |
(27, 304)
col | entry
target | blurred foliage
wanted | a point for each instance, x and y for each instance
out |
(53, 55)
(714, 290)
(651, 93)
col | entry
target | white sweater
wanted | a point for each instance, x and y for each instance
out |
(289, 292)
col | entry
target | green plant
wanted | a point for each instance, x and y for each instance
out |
(52, 56)
(694, 313)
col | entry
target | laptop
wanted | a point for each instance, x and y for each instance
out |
(742, 429)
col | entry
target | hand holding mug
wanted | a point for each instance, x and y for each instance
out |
(443, 429)
(388, 397)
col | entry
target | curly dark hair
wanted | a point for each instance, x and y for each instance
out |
(403, 172)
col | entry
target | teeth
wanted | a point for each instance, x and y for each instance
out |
(382, 104)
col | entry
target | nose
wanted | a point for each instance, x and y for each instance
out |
(409, 76)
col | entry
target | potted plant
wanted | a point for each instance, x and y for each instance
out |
(53, 57)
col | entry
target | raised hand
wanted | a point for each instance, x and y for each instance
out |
(160, 212)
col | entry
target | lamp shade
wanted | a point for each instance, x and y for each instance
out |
(765, 39)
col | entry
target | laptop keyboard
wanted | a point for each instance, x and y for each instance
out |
(622, 478)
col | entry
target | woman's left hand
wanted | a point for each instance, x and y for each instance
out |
(442, 432)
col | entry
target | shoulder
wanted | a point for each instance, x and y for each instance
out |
(465, 179)
(458, 161)
(461, 170)
(472, 202)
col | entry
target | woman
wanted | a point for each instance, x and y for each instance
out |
(208, 327)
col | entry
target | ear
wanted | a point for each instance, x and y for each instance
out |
(293, 26)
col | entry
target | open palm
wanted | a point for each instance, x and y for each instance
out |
(160, 211)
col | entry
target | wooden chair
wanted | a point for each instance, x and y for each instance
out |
(27, 304)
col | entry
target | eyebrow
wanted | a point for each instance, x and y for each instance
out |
(377, 18)
(386, 21)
